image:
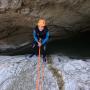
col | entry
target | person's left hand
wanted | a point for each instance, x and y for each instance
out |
(39, 44)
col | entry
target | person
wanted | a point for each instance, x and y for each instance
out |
(41, 36)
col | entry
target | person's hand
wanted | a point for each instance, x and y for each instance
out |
(39, 44)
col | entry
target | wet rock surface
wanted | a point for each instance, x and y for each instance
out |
(60, 73)
(20, 73)
(76, 72)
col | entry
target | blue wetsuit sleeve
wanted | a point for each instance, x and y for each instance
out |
(46, 39)
(34, 35)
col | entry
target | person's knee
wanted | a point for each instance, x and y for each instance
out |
(44, 47)
(33, 46)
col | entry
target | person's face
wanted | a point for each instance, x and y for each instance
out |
(41, 28)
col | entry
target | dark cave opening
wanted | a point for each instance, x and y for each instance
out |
(77, 46)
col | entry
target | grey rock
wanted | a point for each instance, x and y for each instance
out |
(10, 4)
(18, 17)
(25, 11)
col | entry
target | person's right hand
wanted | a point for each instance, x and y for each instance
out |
(39, 44)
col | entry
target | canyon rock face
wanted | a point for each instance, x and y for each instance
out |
(19, 17)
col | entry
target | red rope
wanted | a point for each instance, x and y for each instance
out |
(39, 83)
(42, 71)
(38, 72)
